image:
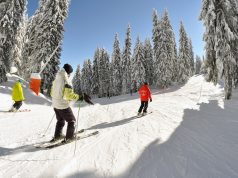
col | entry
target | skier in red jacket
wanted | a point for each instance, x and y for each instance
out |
(145, 96)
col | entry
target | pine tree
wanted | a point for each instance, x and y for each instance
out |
(220, 20)
(103, 73)
(77, 81)
(155, 38)
(111, 90)
(116, 67)
(11, 13)
(198, 65)
(184, 56)
(4, 26)
(149, 61)
(17, 55)
(126, 63)
(175, 62)
(191, 56)
(166, 54)
(30, 43)
(95, 73)
(55, 12)
(86, 79)
(138, 66)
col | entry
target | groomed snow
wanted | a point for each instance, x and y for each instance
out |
(191, 133)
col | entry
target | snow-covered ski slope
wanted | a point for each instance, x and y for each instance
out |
(192, 133)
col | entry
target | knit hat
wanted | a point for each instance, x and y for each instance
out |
(68, 68)
(21, 81)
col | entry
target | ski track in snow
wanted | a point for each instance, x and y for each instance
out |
(188, 134)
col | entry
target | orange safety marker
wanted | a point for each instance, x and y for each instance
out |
(35, 80)
(35, 83)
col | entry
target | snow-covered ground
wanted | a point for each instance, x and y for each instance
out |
(191, 132)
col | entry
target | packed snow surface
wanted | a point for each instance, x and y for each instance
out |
(191, 132)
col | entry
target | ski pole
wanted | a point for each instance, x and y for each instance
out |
(76, 129)
(49, 125)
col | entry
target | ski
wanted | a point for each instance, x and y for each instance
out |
(21, 110)
(24, 110)
(77, 138)
(50, 142)
(142, 115)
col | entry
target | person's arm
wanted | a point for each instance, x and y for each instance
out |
(149, 92)
(21, 95)
(69, 93)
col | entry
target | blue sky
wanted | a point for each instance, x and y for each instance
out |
(93, 23)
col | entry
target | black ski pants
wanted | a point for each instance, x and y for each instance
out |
(17, 104)
(63, 115)
(143, 106)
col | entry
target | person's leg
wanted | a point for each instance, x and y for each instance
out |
(17, 105)
(60, 123)
(145, 107)
(69, 117)
(141, 106)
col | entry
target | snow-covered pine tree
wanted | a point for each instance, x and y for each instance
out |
(138, 66)
(103, 73)
(175, 61)
(17, 55)
(77, 81)
(126, 63)
(95, 73)
(55, 12)
(192, 66)
(166, 54)
(116, 67)
(4, 24)
(3, 77)
(204, 68)
(235, 49)
(209, 20)
(184, 53)
(30, 43)
(171, 46)
(86, 77)
(198, 65)
(111, 79)
(149, 61)
(11, 13)
(155, 38)
(220, 20)
(235, 72)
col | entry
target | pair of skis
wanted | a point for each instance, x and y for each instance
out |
(142, 115)
(59, 142)
(78, 136)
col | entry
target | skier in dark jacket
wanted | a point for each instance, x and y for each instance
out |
(62, 93)
(145, 96)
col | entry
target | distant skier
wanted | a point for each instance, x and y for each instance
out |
(17, 96)
(145, 96)
(131, 91)
(62, 93)
(108, 93)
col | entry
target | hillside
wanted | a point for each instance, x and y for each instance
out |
(191, 132)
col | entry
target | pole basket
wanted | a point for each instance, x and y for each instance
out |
(35, 83)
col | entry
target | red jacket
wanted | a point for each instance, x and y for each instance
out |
(145, 93)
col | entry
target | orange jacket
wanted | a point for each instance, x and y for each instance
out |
(145, 93)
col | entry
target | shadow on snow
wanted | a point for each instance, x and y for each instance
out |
(203, 145)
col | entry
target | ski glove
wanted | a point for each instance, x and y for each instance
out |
(80, 97)
(150, 100)
(87, 98)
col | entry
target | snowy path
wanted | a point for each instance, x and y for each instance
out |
(191, 133)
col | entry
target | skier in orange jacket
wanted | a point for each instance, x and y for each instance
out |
(145, 96)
